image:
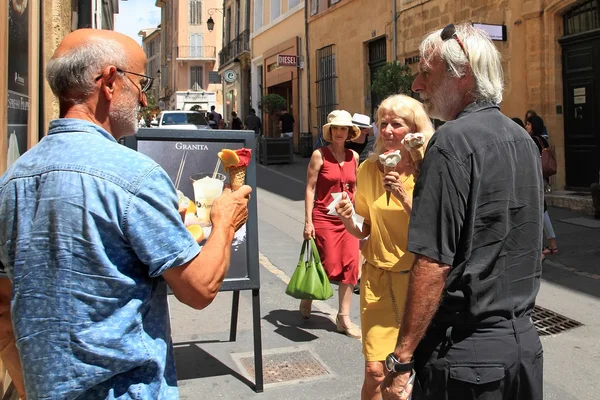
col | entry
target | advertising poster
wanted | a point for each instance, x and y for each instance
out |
(18, 77)
(191, 166)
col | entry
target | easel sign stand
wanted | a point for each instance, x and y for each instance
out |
(186, 154)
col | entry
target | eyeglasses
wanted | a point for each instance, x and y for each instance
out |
(449, 32)
(145, 82)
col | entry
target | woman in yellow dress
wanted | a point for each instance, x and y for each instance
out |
(385, 273)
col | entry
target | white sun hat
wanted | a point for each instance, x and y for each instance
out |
(361, 120)
(340, 118)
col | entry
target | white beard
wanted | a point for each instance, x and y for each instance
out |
(441, 103)
(124, 115)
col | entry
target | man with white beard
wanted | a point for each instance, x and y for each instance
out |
(90, 234)
(476, 230)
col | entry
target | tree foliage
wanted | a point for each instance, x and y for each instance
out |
(271, 103)
(393, 78)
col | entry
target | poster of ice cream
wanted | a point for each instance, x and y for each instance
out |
(200, 172)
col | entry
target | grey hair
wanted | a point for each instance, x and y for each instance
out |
(484, 59)
(71, 75)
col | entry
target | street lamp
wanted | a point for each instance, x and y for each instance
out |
(210, 24)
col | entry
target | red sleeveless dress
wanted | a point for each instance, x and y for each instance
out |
(338, 248)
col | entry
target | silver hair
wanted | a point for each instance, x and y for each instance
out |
(484, 59)
(72, 75)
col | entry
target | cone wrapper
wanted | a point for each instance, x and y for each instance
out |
(237, 177)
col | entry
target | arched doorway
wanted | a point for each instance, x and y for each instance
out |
(581, 83)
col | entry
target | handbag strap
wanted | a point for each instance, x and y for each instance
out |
(303, 251)
(315, 251)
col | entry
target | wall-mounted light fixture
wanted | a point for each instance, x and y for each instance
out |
(210, 24)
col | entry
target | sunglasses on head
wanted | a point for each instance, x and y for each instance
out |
(449, 32)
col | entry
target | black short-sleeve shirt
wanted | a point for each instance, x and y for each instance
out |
(478, 207)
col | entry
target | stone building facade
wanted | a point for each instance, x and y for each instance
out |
(551, 56)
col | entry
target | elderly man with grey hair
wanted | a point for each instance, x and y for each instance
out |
(476, 228)
(90, 234)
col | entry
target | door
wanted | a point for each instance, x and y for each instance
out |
(581, 82)
(377, 59)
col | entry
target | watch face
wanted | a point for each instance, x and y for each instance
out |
(389, 363)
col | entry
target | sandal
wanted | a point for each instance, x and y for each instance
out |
(305, 308)
(550, 250)
(349, 331)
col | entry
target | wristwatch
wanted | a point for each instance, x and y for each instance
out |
(393, 365)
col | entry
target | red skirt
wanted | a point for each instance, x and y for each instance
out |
(338, 249)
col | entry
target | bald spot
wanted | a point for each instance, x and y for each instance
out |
(81, 37)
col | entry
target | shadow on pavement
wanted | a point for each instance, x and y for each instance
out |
(193, 363)
(276, 183)
(290, 324)
(576, 266)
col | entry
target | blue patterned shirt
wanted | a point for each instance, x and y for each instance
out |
(87, 227)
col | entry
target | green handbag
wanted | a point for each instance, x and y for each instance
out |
(309, 281)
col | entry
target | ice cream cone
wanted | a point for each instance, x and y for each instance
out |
(416, 153)
(237, 177)
(414, 143)
(386, 171)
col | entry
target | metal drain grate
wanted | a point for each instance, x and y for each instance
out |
(286, 367)
(550, 323)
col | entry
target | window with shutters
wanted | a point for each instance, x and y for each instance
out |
(196, 78)
(326, 83)
(195, 12)
(196, 46)
(314, 7)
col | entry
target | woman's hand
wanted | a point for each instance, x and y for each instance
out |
(309, 230)
(393, 184)
(344, 208)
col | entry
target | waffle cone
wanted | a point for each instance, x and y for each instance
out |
(386, 170)
(237, 177)
(416, 154)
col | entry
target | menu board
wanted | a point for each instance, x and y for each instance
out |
(190, 159)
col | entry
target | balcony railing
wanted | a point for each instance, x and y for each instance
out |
(196, 52)
(234, 48)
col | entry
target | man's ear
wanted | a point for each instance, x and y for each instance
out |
(107, 82)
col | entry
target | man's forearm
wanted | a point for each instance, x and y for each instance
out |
(427, 281)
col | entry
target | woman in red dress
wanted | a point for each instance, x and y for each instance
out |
(332, 169)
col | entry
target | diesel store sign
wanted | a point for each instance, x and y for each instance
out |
(287, 61)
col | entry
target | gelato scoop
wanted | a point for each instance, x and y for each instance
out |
(413, 142)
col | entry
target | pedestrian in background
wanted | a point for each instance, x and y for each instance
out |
(532, 113)
(359, 145)
(476, 231)
(519, 122)
(286, 124)
(385, 273)
(218, 117)
(253, 122)
(236, 123)
(535, 127)
(90, 236)
(211, 121)
(332, 169)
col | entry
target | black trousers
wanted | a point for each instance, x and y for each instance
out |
(503, 361)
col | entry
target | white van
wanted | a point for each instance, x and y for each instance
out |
(181, 120)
